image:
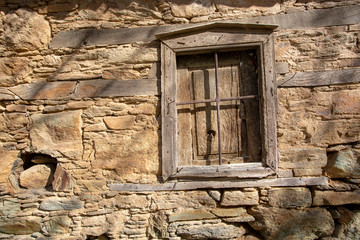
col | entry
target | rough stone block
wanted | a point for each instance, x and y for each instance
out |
(301, 172)
(16, 108)
(58, 225)
(229, 212)
(22, 226)
(7, 159)
(57, 134)
(25, 30)
(343, 164)
(131, 201)
(290, 197)
(210, 231)
(38, 176)
(120, 123)
(282, 67)
(55, 203)
(189, 9)
(346, 102)
(130, 156)
(79, 104)
(238, 198)
(197, 214)
(336, 198)
(303, 157)
(62, 180)
(280, 223)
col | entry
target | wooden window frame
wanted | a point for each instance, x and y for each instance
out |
(207, 38)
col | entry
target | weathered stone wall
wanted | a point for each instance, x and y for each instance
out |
(63, 142)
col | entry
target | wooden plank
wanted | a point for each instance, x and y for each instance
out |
(270, 105)
(49, 90)
(309, 19)
(168, 112)
(214, 38)
(313, 79)
(231, 172)
(181, 186)
(114, 88)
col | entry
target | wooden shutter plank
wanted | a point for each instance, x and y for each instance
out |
(168, 110)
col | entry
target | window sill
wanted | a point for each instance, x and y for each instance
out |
(235, 171)
(238, 183)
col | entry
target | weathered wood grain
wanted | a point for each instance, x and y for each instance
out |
(114, 88)
(168, 112)
(309, 19)
(50, 90)
(313, 79)
(224, 171)
(180, 186)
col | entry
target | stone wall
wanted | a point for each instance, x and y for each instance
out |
(65, 135)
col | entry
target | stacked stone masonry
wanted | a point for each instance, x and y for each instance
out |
(75, 119)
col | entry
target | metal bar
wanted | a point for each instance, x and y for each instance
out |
(218, 105)
(221, 100)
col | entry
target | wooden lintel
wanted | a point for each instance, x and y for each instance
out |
(82, 89)
(308, 19)
(326, 78)
(181, 186)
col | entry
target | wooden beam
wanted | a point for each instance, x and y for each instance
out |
(115, 88)
(181, 186)
(309, 19)
(326, 78)
(82, 89)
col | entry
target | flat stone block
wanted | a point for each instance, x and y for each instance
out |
(336, 198)
(290, 197)
(120, 123)
(197, 214)
(343, 164)
(54, 204)
(238, 198)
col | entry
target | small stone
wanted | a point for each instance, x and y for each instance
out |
(54, 204)
(16, 108)
(147, 109)
(216, 195)
(238, 198)
(197, 214)
(53, 109)
(290, 197)
(62, 180)
(79, 105)
(282, 67)
(43, 159)
(38, 176)
(120, 123)
(336, 198)
(301, 172)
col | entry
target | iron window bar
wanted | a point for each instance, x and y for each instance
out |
(218, 100)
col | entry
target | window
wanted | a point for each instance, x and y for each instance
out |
(218, 102)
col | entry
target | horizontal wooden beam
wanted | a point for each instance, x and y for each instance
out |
(115, 88)
(326, 78)
(180, 186)
(309, 19)
(82, 89)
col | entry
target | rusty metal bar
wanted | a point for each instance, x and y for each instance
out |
(218, 106)
(221, 100)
